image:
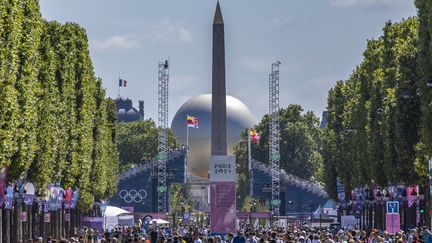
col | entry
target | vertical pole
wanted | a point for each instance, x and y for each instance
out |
(1, 225)
(187, 135)
(429, 215)
(249, 162)
(29, 222)
(187, 149)
(8, 226)
(119, 86)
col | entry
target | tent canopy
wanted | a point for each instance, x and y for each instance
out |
(158, 221)
(111, 211)
(319, 214)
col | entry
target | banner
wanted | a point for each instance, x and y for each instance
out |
(68, 198)
(392, 223)
(242, 215)
(261, 215)
(60, 198)
(29, 194)
(47, 218)
(358, 197)
(222, 194)
(223, 207)
(94, 223)
(412, 195)
(8, 202)
(75, 197)
(23, 216)
(340, 188)
(52, 197)
(3, 180)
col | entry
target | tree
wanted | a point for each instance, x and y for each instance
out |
(300, 140)
(138, 141)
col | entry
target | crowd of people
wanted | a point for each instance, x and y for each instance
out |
(290, 234)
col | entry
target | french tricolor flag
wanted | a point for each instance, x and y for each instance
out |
(122, 83)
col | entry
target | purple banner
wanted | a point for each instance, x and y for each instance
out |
(412, 195)
(223, 207)
(68, 198)
(23, 216)
(3, 180)
(29, 194)
(242, 215)
(153, 215)
(261, 215)
(28, 199)
(392, 223)
(94, 223)
(8, 198)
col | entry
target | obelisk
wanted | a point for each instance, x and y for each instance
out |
(222, 167)
(218, 125)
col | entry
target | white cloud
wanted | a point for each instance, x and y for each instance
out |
(116, 42)
(279, 23)
(169, 32)
(368, 3)
(165, 32)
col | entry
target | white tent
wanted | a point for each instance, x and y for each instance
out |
(158, 221)
(111, 211)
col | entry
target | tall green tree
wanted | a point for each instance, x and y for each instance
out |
(138, 141)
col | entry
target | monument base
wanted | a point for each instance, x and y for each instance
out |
(200, 193)
(222, 194)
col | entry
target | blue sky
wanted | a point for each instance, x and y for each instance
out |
(317, 41)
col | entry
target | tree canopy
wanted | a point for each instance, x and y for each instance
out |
(55, 120)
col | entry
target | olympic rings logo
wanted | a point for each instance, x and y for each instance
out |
(133, 196)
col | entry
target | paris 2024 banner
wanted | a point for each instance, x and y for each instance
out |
(222, 194)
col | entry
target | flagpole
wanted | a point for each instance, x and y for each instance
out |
(187, 143)
(119, 86)
(249, 160)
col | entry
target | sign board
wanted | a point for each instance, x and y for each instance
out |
(186, 217)
(152, 215)
(222, 194)
(222, 169)
(23, 216)
(392, 223)
(392, 207)
(261, 215)
(47, 217)
(348, 221)
(242, 215)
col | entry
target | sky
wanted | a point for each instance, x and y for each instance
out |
(317, 41)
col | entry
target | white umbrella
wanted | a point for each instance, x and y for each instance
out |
(111, 211)
(158, 221)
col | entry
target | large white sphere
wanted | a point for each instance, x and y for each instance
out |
(238, 118)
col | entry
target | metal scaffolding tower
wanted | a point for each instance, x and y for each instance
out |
(163, 79)
(274, 155)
